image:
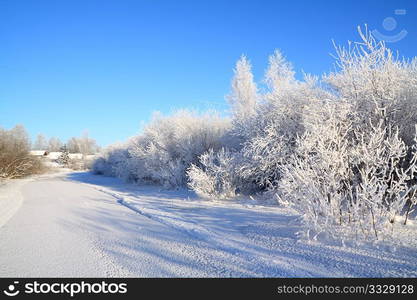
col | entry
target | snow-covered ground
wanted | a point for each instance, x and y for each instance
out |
(55, 155)
(10, 199)
(79, 224)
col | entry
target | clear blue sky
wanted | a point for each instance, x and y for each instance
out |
(105, 66)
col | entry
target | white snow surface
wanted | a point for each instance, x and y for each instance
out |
(10, 199)
(56, 155)
(77, 224)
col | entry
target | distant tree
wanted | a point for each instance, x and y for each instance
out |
(15, 160)
(84, 144)
(54, 144)
(40, 143)
(64, 158)
(72, 145)
(21, 138)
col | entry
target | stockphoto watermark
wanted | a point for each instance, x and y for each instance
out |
(71, 288)
(390, 25)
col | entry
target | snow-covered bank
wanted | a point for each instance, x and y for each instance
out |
(10, 198)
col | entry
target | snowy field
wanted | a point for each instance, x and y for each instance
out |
(79, 224)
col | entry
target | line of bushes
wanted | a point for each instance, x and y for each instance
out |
(340, 148)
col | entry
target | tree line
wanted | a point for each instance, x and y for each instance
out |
(83, 144)
(16, 160)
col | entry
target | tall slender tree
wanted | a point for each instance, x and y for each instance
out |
(244, 93)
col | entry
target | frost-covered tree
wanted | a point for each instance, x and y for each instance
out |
(277, 122)
(378, 82)
(73, 146)
(280, 74)
(169, 145)
(267, 138)
(340, 149)
(40, 143)
(64, 158)
(21, 140)
(87, 145)
(15, 161)
(167, 148)
(243, 96)
(54, 144)
(84, 145)
(353, 177)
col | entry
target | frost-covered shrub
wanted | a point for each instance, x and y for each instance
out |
(166, 148)
(277, 123)
(171, 144)
(278, 119)
(379, 84)
(266, 125)
(340, 149)
(216, 176)
(387, 169)
(100, 166)
(358, 178)
(264, 128)
(314, 176)
(303, 139)
(112, 161)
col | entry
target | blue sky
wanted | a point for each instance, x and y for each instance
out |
(105, 66)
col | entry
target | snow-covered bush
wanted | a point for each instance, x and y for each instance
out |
(166, 148)
(170, 144)
(387, 169)
(264, 126)
(340, 149)
(100, 165)
(277, 121)
(379, 83)
(216, 176)
(352, 177)
(315, 176)
(112, 161)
